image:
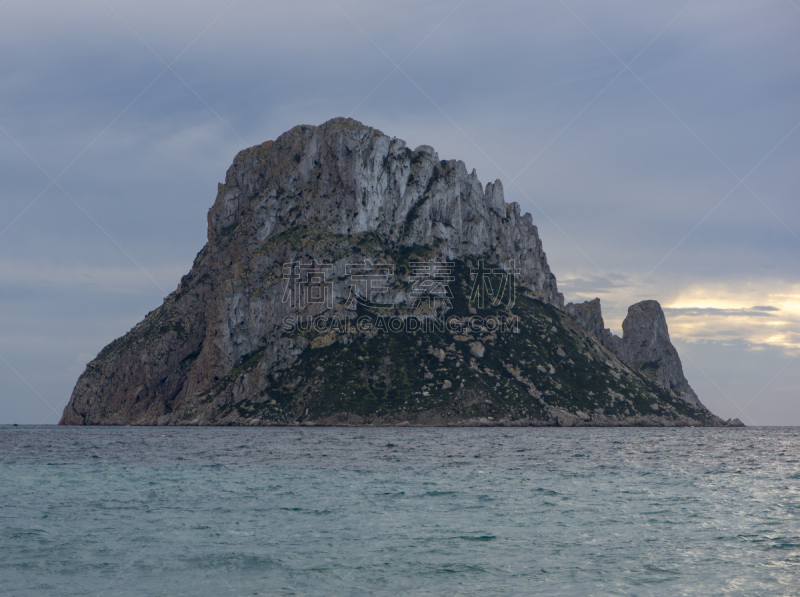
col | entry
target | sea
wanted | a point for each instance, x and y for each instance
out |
(206, 511)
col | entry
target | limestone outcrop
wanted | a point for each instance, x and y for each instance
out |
(590, 316)
(645, 345)
(647, 348)
(348, 279)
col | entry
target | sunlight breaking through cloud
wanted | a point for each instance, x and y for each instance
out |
(722, 314)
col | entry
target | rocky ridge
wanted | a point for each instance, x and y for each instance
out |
(645, 346)
(297, 222)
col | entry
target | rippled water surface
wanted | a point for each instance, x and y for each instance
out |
(370, 511)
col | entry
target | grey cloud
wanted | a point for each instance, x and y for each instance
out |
(706, 311)
(591, 284)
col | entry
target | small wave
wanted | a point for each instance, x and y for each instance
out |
(545, 491)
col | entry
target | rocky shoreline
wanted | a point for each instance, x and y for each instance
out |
(558, 419)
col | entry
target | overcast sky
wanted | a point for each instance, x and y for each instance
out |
(656, 145)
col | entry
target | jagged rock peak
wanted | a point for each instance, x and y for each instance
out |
(645, 345)
(590, 316)
(347, 178)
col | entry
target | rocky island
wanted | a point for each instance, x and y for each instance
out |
(350, 280)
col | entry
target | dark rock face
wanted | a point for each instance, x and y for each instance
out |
(645, 345)
(647, 348)
(237, 342)
(590, 316)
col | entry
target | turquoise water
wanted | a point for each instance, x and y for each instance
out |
(366, 511)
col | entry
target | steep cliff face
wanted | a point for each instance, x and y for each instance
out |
(647, 348)
(300, 230)
(343, 178)
(645, 345)
(590, 316)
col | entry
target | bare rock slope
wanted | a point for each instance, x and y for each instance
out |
(645, 345)
(271, 326)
